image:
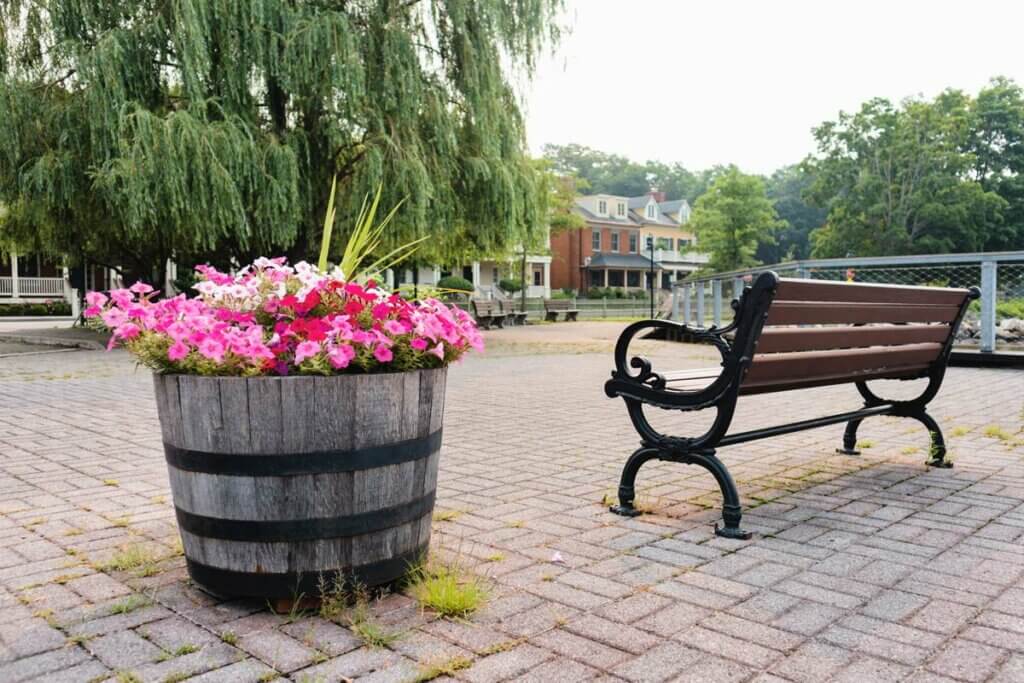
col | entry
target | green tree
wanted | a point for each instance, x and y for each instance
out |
(895, 181)
(786, 188)
(731, 218)
(136, 130)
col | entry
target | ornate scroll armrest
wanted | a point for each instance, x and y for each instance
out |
(646, 377)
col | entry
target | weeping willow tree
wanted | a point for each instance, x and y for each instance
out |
(141, 130)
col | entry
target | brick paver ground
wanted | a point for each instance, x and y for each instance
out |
(862, 569)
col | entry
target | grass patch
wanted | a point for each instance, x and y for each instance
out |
(959, 431)
(176, 677)
(269, 676)
(997, 432)
(368, 629)
(503, 646)
(496, 557)
(447, 667)
(126, 677)
(229, 637)
(865, 444)
(448, 591)
(111, 482)
(186, 649)
(129, 604)
(137, 558)
(446, 515)
(73, 531)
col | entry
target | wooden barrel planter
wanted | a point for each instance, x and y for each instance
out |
(278, 481)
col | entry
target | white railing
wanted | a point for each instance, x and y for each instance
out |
(35, 287)
(999, 276)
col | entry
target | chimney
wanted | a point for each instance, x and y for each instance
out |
(658, 196)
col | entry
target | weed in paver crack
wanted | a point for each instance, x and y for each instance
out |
(866, 443)
(176, 677)
(35, 522)
(229, 637)
(368, 629)
(503, 646)
(134, 557)
(446, 515)
(320, 658)
(73, 531)
(910, 450)
(447, 589)
(516, 524)
(130, 604)
(185, 649)
(78, 640)
(111, 482)
(437, 668)
(334, 597)
(126, 677)
(269, 676)
(997, 432)
(496, 557)
(959, 431)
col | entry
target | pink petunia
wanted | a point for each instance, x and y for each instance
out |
(114, 317)
(394, 327)
(419, 344)
(438, 350)
(178, 350)
(212, 349)
(95, 298)
(306, 349)
(140, 288)
(383, 354)
(127, 331)
(92, 311)
(340, 356)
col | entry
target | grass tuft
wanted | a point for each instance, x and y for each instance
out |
(138, 558)
(447, 590)
(368, 629)
(959, 431)
(130, 604)
(111, 482)
(997, 432)
(446, 515)
(865, 444)
(446, 667)
(229, 637)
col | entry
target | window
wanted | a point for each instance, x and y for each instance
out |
(538, 277)
(651, 210)
(597, 278)
(683, 245)
(615, 278)
(615, 241)
(494, 276)
(632, 278)
(595, 240)
(633, 239)
(602, 207)
(621, 209)
(664, 243)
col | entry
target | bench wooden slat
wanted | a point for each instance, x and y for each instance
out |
(686, 375)
(782, 340)
(831, 312)
(786, 368)
(817, 290)
(903, 372)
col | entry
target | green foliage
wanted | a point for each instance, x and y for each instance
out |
(732, 217)
(136, 131)
(786, 188)
(49, 308)
(614, 174)
(448, 590)
(510, 285)
(455, 283)
(899, 180)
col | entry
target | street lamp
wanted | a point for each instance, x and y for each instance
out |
(650, 246)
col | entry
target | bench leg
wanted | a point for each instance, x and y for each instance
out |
(850, 438)
(937, 451)
(732, 511)
(627, 490)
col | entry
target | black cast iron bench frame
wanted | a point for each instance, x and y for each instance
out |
(737, 344)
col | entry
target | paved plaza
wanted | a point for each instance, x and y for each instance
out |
(869, 568)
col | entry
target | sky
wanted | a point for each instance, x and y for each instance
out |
(705, 82)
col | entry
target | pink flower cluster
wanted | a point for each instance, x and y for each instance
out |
(275, 318)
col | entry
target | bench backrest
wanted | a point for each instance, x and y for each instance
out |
(486, 308)
(557, 304)
(510, 306)
(817, 333)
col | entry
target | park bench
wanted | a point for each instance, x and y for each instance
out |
(487, 313)
(790, 334)
(552, 307)
(514, 314)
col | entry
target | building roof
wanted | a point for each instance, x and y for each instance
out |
(659, 219)
(626, 221)
(613, 260)
(673, 206)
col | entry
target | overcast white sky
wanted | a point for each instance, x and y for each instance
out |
(704, 82)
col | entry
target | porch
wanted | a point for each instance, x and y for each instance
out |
(25, 279)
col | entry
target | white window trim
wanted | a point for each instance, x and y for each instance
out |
(620, 210)
(602, 207)
(652, 211)
(598, 247)
(615, 237)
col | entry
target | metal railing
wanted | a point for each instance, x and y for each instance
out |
(999, 275)
(32, 287)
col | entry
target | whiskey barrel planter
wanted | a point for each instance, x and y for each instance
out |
(279, 480)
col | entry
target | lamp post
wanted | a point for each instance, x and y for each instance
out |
(650, 244)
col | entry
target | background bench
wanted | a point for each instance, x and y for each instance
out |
(552, 307)
(791, 334)
(487, 313)
(514, 314)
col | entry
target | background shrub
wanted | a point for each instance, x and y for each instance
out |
(509, 285)
(455, 282)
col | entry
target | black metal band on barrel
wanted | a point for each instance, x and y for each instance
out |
(227, 582)
(291, 464)
(259, 531)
